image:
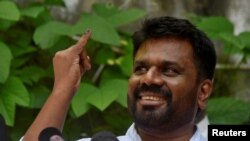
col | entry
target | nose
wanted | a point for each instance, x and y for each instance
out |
(153, 76)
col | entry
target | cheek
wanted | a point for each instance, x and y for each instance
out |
(182, 89)
(184, 102)
(132, 85)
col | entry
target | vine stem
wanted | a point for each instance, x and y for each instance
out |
(97, 73)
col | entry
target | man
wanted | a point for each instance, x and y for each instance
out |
(172, 79)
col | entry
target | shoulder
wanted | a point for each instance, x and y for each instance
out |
(197, 136)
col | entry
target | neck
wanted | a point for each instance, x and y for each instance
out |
(183, 133)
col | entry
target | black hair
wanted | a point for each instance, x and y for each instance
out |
(170, 27)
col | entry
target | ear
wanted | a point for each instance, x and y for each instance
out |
(204, 93)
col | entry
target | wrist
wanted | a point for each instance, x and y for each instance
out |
(64, 90)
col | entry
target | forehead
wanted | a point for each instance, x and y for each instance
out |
(172, 49)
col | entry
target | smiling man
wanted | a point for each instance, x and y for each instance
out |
(172, 79)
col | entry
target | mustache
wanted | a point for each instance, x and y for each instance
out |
(154, 89)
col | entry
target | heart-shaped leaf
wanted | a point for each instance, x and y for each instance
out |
(9, 11)
(79, 103)
(5, 62)
(12, 92)
(32, 12)
(48, 34)
(110, 91)
(102, 30)
(228, 111)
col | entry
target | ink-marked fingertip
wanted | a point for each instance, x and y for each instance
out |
(87, 31)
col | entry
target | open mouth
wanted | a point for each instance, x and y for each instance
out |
(151, 100)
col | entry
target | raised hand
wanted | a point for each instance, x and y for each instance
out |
(70, 64)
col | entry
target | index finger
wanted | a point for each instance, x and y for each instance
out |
(82, 41)
(85, 37)
(85, 61)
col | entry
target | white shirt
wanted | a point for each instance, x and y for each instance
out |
(132, 135)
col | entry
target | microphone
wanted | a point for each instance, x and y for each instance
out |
(104, 136)
(3, 130)
(50, 134)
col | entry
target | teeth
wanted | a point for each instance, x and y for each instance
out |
(155, 98)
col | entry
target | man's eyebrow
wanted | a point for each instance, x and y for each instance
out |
(169, 63)
(163, 63)
(172, 63)
(139, 63)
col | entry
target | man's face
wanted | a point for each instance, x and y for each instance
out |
(163, 88)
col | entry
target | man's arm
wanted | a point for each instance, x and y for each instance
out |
(69, 66)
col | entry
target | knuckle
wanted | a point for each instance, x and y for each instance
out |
(59, 54)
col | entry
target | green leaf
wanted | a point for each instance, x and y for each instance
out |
(48, 34)
(122, 91)
(62, 43)
(102, 31)
(232, 40)
(118, 120)
(103, 55)
(38, 96)
(5, 24)
(110, 91)
(19, 61)
(79, 104)
(42, 18)
(105, 10)
(111, 72)
(128, 45)
(29, 78)
(126, 64)
(244, 38)
(7, 109)
(215, 25)
(11, 93)
(9, 11)
(228, 111)
(126, 17)
(32, 12)
(116, 16)
(22, 51)
(5, 62)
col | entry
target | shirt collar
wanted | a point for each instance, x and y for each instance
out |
(132, 135)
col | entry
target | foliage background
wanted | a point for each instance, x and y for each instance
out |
(30, 35)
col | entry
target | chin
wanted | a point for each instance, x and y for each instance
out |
(151, 118)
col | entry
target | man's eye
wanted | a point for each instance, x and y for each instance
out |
(140, 70)
(170, 71)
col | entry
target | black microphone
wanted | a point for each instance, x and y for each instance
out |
(50, 134)
(3, 130)
(104, 136)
